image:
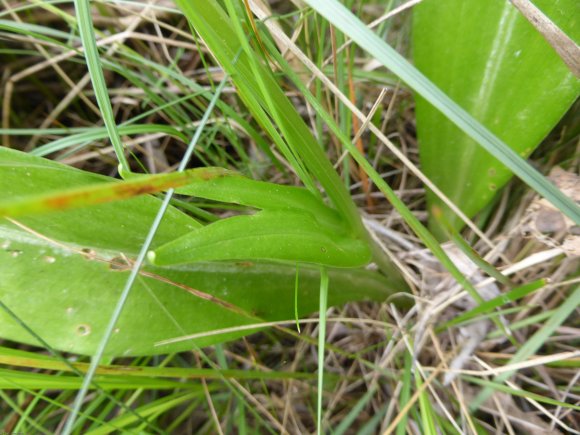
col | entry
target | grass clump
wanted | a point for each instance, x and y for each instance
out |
(305, 177)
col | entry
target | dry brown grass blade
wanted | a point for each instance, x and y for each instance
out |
(364, 178)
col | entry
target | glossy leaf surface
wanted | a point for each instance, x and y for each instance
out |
(64, 279)
(489, 59)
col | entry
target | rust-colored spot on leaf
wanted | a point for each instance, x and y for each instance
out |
(59, 202)
(127, 191)
(107, 192)
(245, 264)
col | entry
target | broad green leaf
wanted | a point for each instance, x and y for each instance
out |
(22, 175)
(238, 189)
(288, 235)
(492, 62)
(345, 21)
(104, 192)
(64, 278)
(217, 184)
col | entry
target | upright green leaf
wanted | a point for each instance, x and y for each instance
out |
(343, 19)
(491, 61)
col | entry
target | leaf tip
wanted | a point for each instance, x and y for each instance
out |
(124, 172)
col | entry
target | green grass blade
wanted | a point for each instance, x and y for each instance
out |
(268, 97)
(350, 25)
(16, 379)
(321, 344)
(405, 394)
(452, 234)
(20, 358)
(87, 34)
(524, 323)
(98, 133)
(498, 386)
(425, 408)
(531, 346)
(372, 425)
(354, 413)
(486, 307)
(149, 410)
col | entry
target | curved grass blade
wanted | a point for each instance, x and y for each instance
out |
(100, 133)
(150, 410)
(491, 304)
(20, 358)
(87, 34)
(569, 305)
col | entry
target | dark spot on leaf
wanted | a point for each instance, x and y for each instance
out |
(83, 329)
(119, 264)
(90, 254)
